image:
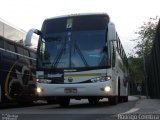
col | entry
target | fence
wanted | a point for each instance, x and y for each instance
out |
(153, 69)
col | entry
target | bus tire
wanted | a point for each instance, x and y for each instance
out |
(51, 101)
(120, 99)
(113, 100)
(93, 101)
(25, 102)
(0, 95)
(125, 99)
(64, 101)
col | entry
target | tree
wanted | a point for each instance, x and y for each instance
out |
(136, 69)
(146, 35)
(135, 73)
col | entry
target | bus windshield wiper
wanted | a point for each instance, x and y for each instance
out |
(81, 55)
(57, 58)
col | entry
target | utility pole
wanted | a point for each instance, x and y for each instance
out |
(144, 68)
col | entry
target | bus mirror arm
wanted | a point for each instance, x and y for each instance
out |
(29, 36)
(112, 34)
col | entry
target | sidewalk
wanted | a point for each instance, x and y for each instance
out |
(146, 106)
(144, 109)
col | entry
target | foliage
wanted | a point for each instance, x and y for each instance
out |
(146, 34)
(135, 69)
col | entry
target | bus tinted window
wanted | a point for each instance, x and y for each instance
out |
(6, 45)
(1, 43)
(10, 50)
(11, 47)
(26, 53)
(92, 22)
(20, 51)
(57, 25)
(33, 55)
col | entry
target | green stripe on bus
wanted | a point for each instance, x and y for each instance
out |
(85, 74)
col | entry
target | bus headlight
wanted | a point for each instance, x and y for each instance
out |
(101, 79)
(44, 81)
(107, 88)
(37, 80)
(39, 90)
(108, 77)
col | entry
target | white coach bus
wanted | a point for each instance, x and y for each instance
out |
(80, 56)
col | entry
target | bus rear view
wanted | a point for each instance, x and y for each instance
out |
(75, 59)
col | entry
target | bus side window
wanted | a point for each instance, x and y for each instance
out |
(113, 55)
(33, 55)
(20, 51)
(1, 43)
(26, 53)
(11, 47)
(6, 47)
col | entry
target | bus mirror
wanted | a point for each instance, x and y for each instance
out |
(29, 36)
(112, 35)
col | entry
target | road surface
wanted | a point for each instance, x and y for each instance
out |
(78, 110)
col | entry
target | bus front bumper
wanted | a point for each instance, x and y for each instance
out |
(87, 89)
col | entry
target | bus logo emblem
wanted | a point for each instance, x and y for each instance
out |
(69, 23)
(70, 79)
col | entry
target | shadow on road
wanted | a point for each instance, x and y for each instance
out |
(87, 105)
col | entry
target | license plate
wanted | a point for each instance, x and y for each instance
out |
(70, 90)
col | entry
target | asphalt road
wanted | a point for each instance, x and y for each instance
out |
(78, 110)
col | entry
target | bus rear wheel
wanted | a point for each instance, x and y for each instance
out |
(0, 95)
(51, 100)
(126, 99)
(113, 100)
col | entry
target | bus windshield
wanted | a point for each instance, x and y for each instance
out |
(74, 42)
(80, 49)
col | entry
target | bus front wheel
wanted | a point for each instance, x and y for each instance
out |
(64, 101)
(93, 101)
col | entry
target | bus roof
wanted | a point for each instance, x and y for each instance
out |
(79, 14)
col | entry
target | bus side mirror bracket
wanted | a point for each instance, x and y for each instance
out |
(112, 35)
(29, 36)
